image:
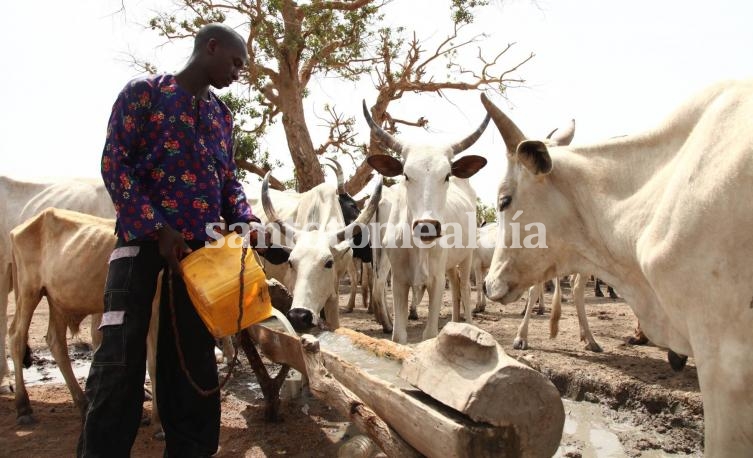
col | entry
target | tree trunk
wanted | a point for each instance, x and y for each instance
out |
(308, 173)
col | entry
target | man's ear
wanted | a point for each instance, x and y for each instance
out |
(534, 156)
(386, 165)
(467, 166)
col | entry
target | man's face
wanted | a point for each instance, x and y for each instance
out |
(226, 62)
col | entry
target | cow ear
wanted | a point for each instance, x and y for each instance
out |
(276, 254)
(386, 165)
(340, 249)
(467, 166)
(534, 156)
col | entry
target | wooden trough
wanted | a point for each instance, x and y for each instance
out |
(458, 395)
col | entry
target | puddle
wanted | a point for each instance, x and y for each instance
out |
(591, 431)
(45, 370)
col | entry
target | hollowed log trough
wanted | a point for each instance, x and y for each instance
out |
(457, 395)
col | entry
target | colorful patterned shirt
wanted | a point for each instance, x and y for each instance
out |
(168, 160)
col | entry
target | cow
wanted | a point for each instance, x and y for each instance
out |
(535, 292)
(663, 216)
(21, 200)
(428, 229)
(362, 256)
(320, 252)
(62, 255)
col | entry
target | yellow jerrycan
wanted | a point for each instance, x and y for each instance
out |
(212, 277)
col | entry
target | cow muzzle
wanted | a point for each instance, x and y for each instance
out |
(301, 319)
(427, 229)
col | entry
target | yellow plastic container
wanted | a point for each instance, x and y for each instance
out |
(211, 275)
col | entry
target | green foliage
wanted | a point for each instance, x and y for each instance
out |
(484, 213)
(461, 10)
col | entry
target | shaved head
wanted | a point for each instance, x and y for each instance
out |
(223, 34)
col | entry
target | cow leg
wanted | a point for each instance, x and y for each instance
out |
(26, 303)
(5, 287)
(580, 308)
(379, 293)
(521, 338)
(400, 304)
(464, 277)
(151, 358)
(612, 293)
(353, 287)
(727, 399)
(365, 282)
(435, 287)
(417, 293)
(96, 334)
(597, 289)
(478, 271)
(56, 342)
(554, 319)
(332, 312)
(454, 280)
(540, 310)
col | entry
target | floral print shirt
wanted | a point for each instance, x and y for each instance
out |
(168, 160)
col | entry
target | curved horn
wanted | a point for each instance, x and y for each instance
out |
(354, 228)
(471, 139)
(269, 210)
(389, 141)
(510, 132)
(564, 136)
(339, 173)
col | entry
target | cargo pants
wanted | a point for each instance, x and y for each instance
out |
(115, 386)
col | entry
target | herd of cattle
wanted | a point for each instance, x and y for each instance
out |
(663, 216)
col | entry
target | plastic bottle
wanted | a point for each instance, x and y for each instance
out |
(357, 447)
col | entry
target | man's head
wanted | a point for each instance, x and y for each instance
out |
(222, 53)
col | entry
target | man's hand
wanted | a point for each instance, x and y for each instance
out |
(172, 247)
(258, 237)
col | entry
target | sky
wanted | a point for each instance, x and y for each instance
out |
(615, 67)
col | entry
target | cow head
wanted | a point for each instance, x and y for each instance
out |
(427, 172)
(315, 260)
(533, 212)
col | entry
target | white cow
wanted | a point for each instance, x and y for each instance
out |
(320, 251)
(21, 200)
(62, 255)
(428, 228)
(665, 217)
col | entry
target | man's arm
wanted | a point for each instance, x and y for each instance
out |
(137, 217)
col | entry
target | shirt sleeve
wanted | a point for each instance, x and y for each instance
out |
(235, 207)
(137, 217)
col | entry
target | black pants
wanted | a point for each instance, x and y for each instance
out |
(114, 387)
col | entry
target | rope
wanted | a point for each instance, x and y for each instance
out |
(174, 321)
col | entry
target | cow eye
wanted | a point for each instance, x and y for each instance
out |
(328, 264)
(291, 265)
(504, 202)
(447, 178)
(406, 177)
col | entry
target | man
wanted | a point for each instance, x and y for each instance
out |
(168, 166)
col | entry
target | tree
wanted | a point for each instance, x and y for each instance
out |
(484, 213)
(289, 43)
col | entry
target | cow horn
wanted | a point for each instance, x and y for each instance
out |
(471, 139)
(510, 132)
(269, 210)
(389, 141)
(339, 173)
(354, 228)
(564, 136)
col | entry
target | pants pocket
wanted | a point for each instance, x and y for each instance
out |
(112, 350)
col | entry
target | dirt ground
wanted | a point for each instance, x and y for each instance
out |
(631, 384)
